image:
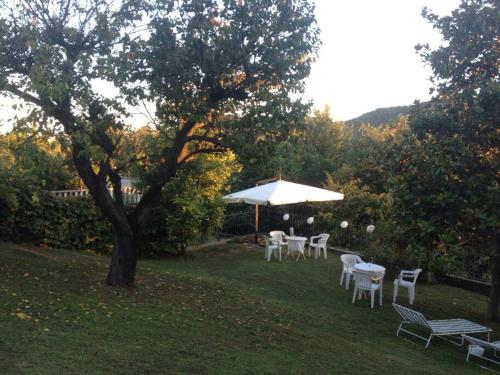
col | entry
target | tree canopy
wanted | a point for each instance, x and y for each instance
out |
(202, 62)
(450, 170)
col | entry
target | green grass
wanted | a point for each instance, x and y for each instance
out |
(225, 310)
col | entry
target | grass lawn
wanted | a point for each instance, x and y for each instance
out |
(225, 310)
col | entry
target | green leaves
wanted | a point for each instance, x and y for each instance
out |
(191, 207)
(212, 56)
(46, 220)
(448, 169)
(470, 57)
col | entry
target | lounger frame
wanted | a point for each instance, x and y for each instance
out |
(451, 330)
(478, 347)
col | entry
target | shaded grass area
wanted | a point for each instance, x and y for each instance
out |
(224, 310)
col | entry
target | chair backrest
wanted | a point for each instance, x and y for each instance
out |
(349, 260)
(411, 316)
(363, 280)
(484, 344)
(411, 275)
(323, 238)
(277, 235)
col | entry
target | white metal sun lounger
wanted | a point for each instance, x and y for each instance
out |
(477, 348)
(440, 328)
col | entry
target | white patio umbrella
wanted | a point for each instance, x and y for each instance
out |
(281, 192)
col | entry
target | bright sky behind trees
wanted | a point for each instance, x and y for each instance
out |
(368, 59)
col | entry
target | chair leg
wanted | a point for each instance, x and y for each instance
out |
(372, 297)
(280, 253)
(341, 277)
(397, 332)
(354, 294)
(380, 295)
(428, 341)
(411, 295)
(348, 278)
(395, 294)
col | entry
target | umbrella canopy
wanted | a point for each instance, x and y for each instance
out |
(282, 192)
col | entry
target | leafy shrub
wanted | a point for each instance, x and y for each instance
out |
(46, 220)
(191, 209)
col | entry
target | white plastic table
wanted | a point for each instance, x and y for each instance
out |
(296, 243)
(376, 270)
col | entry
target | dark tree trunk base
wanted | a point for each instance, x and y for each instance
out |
(123, 262)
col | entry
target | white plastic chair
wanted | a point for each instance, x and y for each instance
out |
(365, 281)
(319, 245)
(409, 284)
(348, 262)
(279, 236)
(272, 246)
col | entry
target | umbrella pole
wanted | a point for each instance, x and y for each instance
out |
(256, 223)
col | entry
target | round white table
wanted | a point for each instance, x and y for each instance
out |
(376, 270)
(296, 243)
(297, 238)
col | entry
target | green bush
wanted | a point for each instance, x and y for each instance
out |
(76, 223)
(190, 211)
(43, 219)
(191, 208)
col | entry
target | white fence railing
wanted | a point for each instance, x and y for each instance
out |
(131, 196)
(70, 193)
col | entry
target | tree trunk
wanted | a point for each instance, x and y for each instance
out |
(123, 262)
(495, 283)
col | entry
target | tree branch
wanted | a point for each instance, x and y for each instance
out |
(201, 151)
(115, 179)
(23, 95)
(64, 117)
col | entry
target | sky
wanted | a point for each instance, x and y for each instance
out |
(367, 59)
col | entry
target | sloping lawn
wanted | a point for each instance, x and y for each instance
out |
(225, 310)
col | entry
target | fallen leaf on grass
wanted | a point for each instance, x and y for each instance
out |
(23, 316)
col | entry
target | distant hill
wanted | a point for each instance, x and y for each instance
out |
(380, 116)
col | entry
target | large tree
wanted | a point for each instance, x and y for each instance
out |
(202, 62)
(449, 183)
